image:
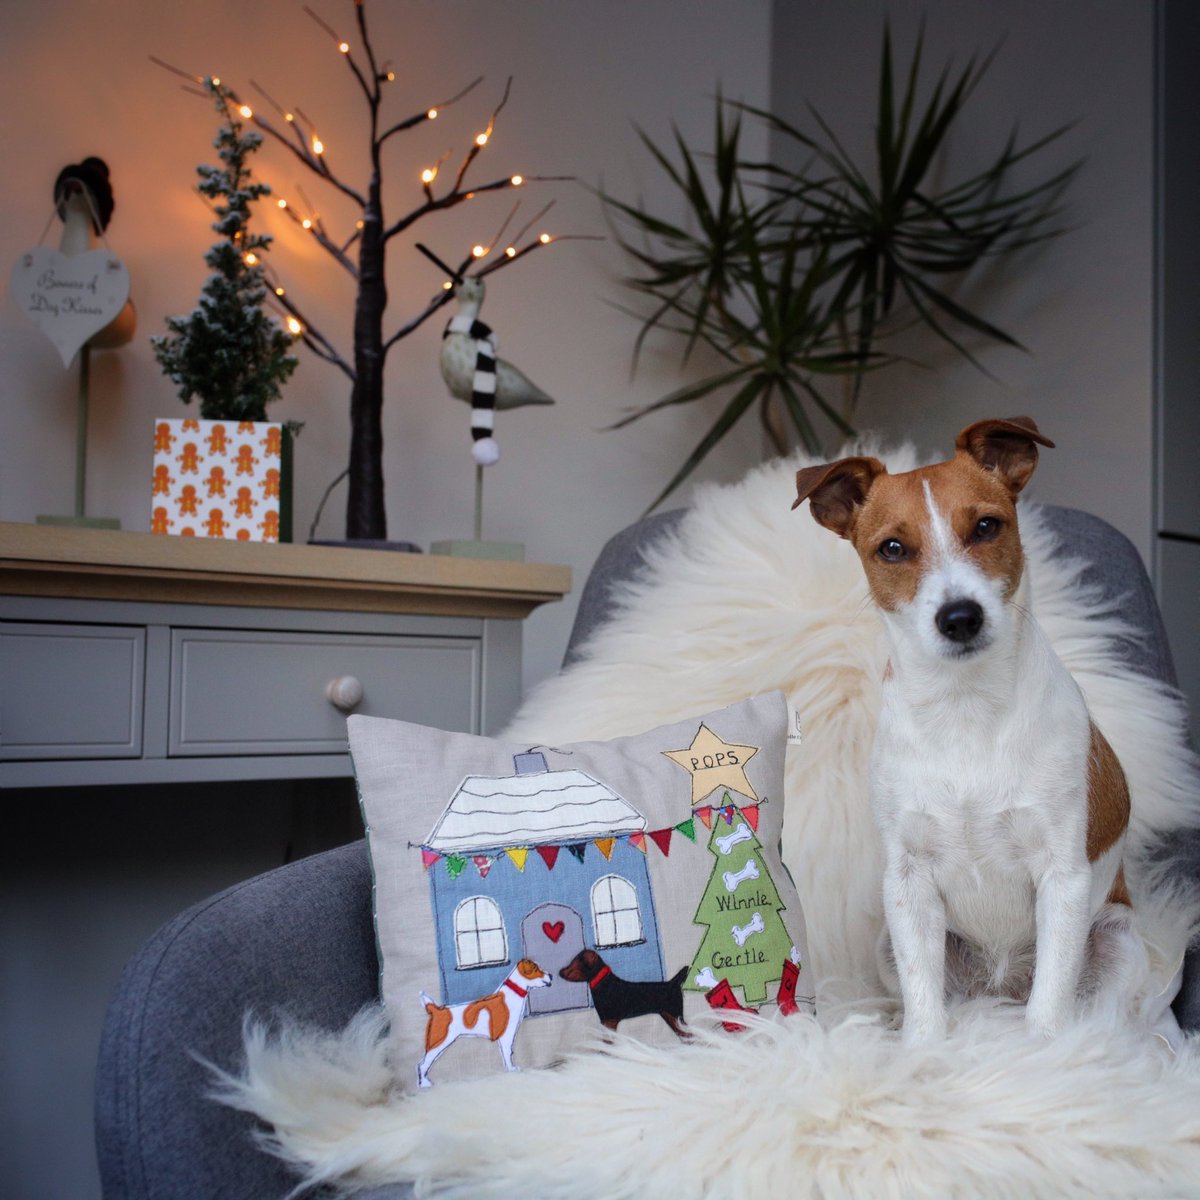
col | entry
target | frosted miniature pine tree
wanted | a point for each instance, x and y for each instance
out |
(746, 941)
(228, 352)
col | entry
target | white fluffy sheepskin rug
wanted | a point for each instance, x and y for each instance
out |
(745, 597)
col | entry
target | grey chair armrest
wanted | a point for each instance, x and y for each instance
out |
(299, 939)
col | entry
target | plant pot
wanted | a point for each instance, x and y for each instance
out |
(222, 479)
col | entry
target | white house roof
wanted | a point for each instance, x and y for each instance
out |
(493, 813)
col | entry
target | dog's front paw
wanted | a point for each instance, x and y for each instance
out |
(915, 1034)
(1044, 1023)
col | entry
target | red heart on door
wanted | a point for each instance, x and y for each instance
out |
(553, 932)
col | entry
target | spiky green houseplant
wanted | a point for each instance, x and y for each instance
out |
(228, 352)
(794, 275)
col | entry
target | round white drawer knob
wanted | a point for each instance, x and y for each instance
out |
(344, 692)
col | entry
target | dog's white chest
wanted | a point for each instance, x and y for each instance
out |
(983, 815)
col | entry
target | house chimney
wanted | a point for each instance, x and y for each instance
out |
(533, 763)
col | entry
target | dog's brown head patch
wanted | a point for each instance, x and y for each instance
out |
(530, 969)
(888, 517)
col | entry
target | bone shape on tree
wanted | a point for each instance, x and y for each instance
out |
(732, 879)
(742, 933)
(740, 834)
(706, 979)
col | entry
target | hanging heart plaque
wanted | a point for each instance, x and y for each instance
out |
(69, 297)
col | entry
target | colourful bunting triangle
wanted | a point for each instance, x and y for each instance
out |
(688, 828)
(728, 813)
(549, 855)
(605, 846)
(638, 841)
(428, 857)
(662, 839)
(705, 815)
(483, 864)
(454, 865)
(579, 849)
(750, 812)
(518, 854)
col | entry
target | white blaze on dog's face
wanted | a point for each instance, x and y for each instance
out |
(939, 545)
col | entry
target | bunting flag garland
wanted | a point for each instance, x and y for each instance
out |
(729, 812)
(750, 812)
(519, 855)
(662, 839)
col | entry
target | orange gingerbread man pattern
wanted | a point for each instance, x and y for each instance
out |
(196, 462)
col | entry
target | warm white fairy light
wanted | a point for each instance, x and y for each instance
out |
(511, 252)
(246, 111)
(344, 47)
(294, 327)
(280, 292)
(545, 239)
(281, 203)
(478, 251)
(517, 180)
(289, 117)
(447, 286)
(251, 259)
(318, 146)
(481, 140)
(306, 223)
(359, 224)
(215, 81)
(429, 175)
(432, 114)
(390, 77)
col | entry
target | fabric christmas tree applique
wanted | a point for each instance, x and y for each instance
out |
(746, 944)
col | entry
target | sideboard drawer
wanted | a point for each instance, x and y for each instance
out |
(70, 691)
(250, 692)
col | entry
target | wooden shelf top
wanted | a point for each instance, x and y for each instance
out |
(51, 560)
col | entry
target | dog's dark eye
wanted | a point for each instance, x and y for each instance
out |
(987, 529)
(893, 550)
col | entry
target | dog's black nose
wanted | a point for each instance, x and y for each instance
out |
(960, 620)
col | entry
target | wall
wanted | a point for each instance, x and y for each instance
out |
(1083, 305)
(78, 81)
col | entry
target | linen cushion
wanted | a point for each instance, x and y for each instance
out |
(495, 864)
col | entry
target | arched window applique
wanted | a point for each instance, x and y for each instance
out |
(616, 917)
(479, 937)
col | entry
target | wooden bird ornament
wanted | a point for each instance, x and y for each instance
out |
(474, 373)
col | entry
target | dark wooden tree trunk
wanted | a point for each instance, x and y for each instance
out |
(365, 513)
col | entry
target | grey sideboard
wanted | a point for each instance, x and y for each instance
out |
(132, 658)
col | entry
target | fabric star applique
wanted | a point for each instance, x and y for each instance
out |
(714, 764)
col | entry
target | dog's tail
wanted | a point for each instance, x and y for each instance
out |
(429, 1002)
(677, 979)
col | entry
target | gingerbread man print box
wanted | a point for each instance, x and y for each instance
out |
(222, 479)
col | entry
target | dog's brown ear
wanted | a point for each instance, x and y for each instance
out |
(837, 490)
(1008, 447)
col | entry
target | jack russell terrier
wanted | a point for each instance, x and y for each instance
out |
(1001, 808)
(496, 1017)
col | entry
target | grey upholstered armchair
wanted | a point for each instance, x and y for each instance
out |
(300, 939)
